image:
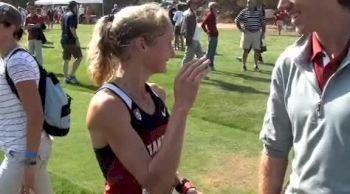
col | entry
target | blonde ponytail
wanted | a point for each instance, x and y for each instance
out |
(102, 63)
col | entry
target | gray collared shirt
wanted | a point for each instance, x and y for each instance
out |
(315, 124)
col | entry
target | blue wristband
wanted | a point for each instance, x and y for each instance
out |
(30, 154)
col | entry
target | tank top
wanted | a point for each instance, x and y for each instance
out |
(150, 128)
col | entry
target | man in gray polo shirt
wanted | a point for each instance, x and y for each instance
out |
(309, 104)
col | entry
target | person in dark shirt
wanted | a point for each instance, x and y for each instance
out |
(172, 10)
(50, 14)
(70, 42)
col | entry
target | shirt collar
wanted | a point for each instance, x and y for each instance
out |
(316, 47)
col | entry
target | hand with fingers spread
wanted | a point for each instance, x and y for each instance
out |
(28, 181)
(187, 82)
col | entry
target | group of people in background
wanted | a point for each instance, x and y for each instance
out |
(35, 23)
(250, 21)
(186, 31)
(138, 141)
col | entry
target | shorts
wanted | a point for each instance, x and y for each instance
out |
(251, 40)
(69, 50)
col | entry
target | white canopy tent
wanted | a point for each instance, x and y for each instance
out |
(65, 2)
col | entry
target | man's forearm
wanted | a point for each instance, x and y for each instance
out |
(239, 26)
(74, 32)
(271, 174)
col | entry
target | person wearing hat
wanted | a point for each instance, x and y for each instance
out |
(70, 42)
(33, 24)
(22, 139)
(190, 30)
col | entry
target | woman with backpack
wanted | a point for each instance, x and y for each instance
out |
(22, 139)
(136, 142)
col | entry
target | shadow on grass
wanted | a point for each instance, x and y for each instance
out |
(86, 86)
(243, 76)
(48, 46)
(233, 87)
(83, 86)
(231, 125)
(268, 64)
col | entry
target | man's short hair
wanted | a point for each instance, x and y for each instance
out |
(72, 5)
(345, 3)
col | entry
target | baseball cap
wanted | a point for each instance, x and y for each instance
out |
(10, 14)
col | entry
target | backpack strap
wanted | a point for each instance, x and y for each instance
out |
(42, 79)
(8, 78)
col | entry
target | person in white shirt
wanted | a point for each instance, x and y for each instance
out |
(81, 13)
(178, 18)
(22, 139)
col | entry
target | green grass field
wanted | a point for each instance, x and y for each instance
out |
(222, 149)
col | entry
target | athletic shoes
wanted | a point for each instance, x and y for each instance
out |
(71, 80)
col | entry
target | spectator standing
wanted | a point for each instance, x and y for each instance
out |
(279, 18)
(251, 22)
(190, 30)
(308, 108)
(115, 9)
(70, 43)
(50, 17)
(178, 18)
(88, 14)
(34, 23)
(23, 141)
(172, 10)
(81, 13)
(209, 27)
